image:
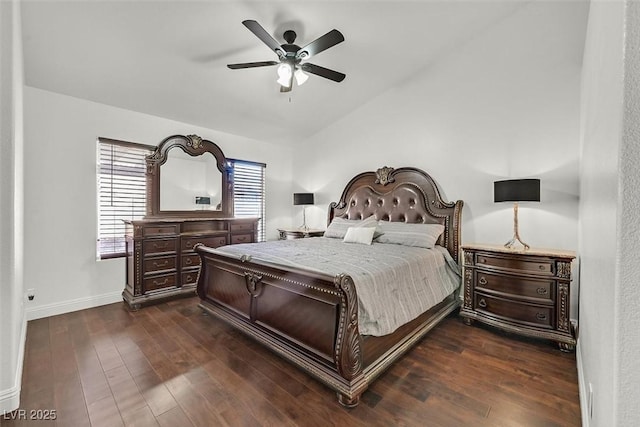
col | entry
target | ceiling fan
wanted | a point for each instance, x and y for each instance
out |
(291, 56)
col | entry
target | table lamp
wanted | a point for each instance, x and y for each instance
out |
(516, 190)
(303, 199)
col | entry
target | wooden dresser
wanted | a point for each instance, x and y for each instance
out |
(161, 262)
(525, 292)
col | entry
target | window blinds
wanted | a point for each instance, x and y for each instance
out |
(249, 191)
(121, 191)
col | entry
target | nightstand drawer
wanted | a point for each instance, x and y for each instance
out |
(540, 291)
(538, 316)
(542, 266)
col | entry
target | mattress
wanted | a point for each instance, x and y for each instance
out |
(394, 283)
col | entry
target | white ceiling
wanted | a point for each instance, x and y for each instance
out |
(168, 58)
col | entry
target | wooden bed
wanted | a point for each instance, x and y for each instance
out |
(311, 319)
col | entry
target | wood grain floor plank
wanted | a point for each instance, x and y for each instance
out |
(171, 365)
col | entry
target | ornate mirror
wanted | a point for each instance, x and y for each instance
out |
(188, 176)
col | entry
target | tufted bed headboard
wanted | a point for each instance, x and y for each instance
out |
(400, 195)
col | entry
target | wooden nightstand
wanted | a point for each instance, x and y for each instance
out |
(298, 233)
(525, 292)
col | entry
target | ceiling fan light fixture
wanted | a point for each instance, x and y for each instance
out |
(284, 74)
(300, 76)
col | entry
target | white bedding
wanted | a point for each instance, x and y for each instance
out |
(394, 283)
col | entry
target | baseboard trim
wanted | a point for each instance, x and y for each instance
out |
(582, 388)
(10, 398)
(73, 305)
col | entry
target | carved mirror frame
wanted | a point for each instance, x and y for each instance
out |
(194, 146)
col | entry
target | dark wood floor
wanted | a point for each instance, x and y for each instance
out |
(170, 365)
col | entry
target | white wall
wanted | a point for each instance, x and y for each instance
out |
(609, 341)
(503, 104)
(627, 320)
(12, 319)
(60, 193)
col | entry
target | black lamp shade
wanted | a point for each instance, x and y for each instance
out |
(302, 198)
(516, 190)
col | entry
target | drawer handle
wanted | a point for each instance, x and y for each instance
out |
(541, 267)
(542, 291)
(241, 238)
(482, 303)
(164, 282)
(482, 281)
(541, 316)
(161, 264)
(188, 244)
(188, 261)
(482, 260)
(189, 279)
(163, 246)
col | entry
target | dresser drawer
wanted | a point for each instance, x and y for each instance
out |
(522, 264)
(190, 277)
(247, 226)
(160, 282)
(241, 238)
(161, 230)
(191, 260)
(212, 241)
(538, 316)
(541, 291)
(152, 265)
(155, 246)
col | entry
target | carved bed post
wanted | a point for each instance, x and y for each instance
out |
(348, 350)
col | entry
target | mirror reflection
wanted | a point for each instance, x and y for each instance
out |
(190, 183)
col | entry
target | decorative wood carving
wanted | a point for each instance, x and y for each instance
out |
(563, 307)
(253, 284)
(348, 353)
(468, 274)
(564, 269)
(383, 175)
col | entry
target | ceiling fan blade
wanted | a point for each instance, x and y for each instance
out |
(262, 34)
(252, 64)
(320, 44)
(323, 72)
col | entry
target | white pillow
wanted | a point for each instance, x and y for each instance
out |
(402, 233)
(361, 235)
(338, 227)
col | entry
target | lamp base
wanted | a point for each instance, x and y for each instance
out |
(304, 226)
(516, 235)
(511, 243)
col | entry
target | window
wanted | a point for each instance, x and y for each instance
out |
(121, 191)
(249, 191)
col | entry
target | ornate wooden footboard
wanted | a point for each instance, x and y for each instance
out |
(311, 319)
